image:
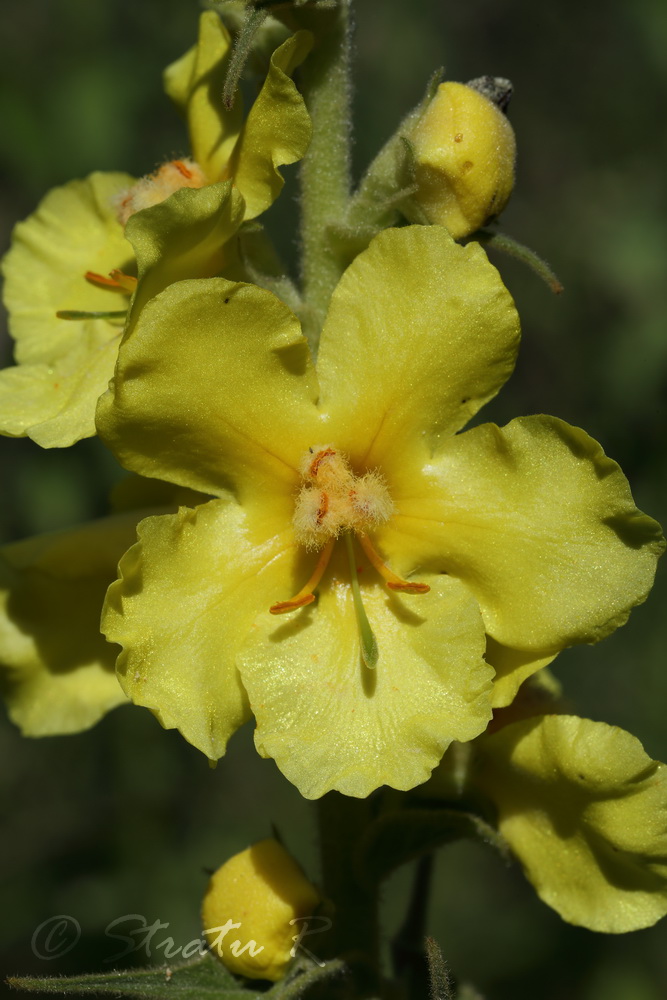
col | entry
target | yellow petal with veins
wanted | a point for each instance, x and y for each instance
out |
(539, 524)
(420, 333)
(331, 723)
(188, 594)
(215, 388)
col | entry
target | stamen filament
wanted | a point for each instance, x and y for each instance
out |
(393, 581)
(368, 642)
(306, 595)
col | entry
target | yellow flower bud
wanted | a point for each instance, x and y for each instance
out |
(254, 908)
(464, 159)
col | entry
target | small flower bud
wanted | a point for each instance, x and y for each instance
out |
(253, 910)
(464, 159)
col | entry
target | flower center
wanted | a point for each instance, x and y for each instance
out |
(334, 501)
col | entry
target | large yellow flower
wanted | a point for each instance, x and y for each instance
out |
(351, 480)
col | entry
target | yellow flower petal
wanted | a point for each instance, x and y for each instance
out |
(541, 526)
(585, 810)
(187, 597)
(186, 236)
(512, 667)
(63, 365)
(58, 671)
(214, 388)
(420, 333)
(277, 130)
(330, 722)
(55, 404)
(73, 230)
(195, 83)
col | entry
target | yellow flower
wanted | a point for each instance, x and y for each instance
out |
(58, 262)
(63, 366)
(88, 242)
(254, 908)
(585, 810)
(528, 532)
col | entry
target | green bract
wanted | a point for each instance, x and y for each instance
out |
(526, 533)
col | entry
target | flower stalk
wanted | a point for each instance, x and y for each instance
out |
(354, 933)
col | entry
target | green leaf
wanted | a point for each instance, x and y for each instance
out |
(468, 992)
(202, 977)
(397, 838)
(304, 974)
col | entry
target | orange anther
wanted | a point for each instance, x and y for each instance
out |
(306, 595)
(407, 587)
(99, 279)
(319, 458)
(393, 580)
(282, 606)
(182, 169)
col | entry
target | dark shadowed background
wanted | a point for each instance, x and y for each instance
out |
(124, 819)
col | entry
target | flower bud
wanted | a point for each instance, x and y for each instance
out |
(464, 159)
(253, 910)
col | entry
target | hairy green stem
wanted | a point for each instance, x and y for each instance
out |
(325, 169)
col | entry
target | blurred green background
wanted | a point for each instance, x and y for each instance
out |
(126, 818)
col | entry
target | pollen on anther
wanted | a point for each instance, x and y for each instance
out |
(323, 507)
(156, 187)
(333, 499)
